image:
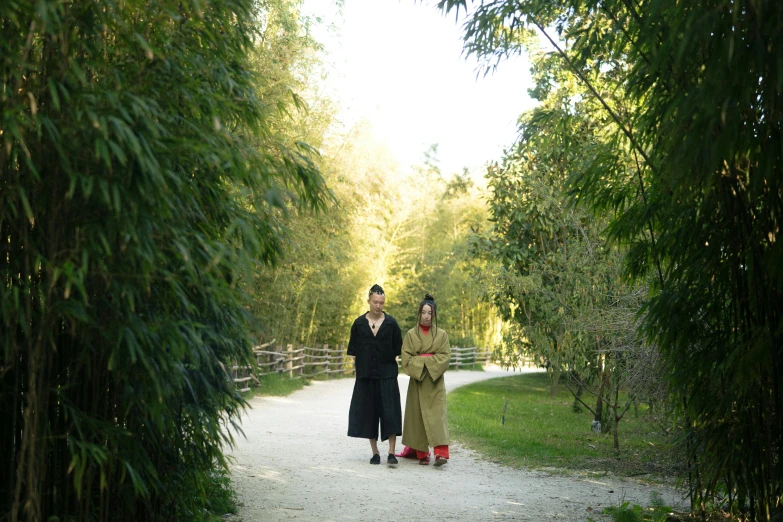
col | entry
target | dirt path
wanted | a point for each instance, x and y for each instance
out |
(297, 463)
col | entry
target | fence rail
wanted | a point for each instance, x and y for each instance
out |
(304, 361)
(469, 356)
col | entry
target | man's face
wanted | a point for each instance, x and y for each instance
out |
(376, 303)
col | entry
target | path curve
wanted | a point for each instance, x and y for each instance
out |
(296, 463)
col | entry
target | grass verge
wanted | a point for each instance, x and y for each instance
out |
(278, 385)
(540, 432)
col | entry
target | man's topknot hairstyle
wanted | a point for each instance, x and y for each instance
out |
(376, 289)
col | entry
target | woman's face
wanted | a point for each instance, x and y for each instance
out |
(376, 303)
(426, 315)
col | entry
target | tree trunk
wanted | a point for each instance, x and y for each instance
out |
(616, 405)
(599, 403)
(577, 408)
(555, 381)
(555, 368)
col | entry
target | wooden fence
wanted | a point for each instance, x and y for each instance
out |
(329, 361)
(464, 357)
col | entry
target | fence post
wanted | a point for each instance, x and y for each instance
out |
(300, 358)
(289, 349)
(276, 368)
(341, 360)
(459, 356)
(473, 351)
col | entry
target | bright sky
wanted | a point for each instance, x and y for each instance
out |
(398, 64)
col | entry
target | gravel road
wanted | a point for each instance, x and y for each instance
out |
(296, 462)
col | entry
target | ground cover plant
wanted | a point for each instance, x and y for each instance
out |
(658, 511)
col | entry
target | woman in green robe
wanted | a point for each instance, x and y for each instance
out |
(425, 358)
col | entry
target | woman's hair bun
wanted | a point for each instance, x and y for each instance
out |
(428, 297)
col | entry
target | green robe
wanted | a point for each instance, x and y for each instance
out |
(426, 422)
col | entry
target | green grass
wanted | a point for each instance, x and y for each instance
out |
(278, 384)
(541, 432)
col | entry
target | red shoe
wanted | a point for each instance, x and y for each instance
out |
(407, 453)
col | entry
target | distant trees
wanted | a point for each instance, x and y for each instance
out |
(315, 291)
(691, 176)
(411, 233)
(141, 181)
(305, 296)
(438, 223)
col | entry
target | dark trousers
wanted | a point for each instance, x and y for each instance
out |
(374, 402)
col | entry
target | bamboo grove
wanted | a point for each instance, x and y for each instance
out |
(684, 154)
(140, 179)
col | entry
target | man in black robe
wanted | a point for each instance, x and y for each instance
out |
(375, 344)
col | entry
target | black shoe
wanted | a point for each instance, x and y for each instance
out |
(391, 460)
(376, 459)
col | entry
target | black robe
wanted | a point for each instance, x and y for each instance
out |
(376, 394)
